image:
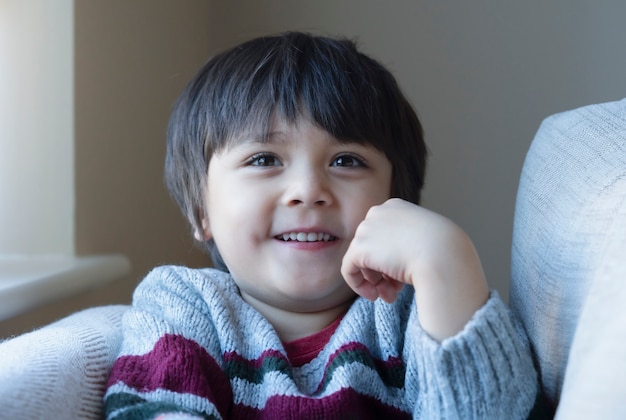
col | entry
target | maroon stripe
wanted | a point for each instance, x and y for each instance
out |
(183, 366)
(344, 404)
(176, 364)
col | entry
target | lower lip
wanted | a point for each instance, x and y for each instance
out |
(309, 246)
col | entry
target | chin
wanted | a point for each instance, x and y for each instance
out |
(315, 303)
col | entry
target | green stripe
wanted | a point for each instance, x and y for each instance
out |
(392, 378)
(134, 407)
(242, 370)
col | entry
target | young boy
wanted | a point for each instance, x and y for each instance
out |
(299, 163)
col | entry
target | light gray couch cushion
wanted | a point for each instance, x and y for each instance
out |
(595, 378)
(570, 192)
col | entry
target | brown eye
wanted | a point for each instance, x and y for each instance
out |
(264, 160)
(347, 161)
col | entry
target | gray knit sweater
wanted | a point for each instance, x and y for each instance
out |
(192, 345)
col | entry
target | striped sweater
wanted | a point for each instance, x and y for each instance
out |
(193, 346)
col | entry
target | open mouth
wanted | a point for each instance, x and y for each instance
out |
(306, 237)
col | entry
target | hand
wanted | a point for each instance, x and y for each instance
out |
(377, 261)
(401, 243)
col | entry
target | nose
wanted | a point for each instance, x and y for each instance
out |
(308, 188)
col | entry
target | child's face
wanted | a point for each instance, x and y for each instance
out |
(283, 210)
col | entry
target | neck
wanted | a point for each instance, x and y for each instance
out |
(292, 325)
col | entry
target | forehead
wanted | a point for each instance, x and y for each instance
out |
(280, 130)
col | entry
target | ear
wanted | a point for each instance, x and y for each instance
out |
(204, 234)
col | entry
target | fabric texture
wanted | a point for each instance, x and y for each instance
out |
(193, 346)
(570, 195)
(60, 371)
(595, 379)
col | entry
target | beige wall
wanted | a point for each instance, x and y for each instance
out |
(132, 60)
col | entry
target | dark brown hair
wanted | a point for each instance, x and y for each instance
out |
(290, 75)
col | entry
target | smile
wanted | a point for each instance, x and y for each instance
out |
(306, 237)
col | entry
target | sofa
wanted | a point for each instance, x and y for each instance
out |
(568, 259)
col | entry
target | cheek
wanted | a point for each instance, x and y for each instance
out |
(377, 192)
(237, 216)
(362, 201)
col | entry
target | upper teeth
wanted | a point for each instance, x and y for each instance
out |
(306, 236)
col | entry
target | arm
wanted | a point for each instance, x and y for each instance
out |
(401, 243)
(464, 354)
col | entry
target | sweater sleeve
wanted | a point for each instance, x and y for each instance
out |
(169, 363)
(485, 371)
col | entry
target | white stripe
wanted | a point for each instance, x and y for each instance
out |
(186, 401)
(355, 375)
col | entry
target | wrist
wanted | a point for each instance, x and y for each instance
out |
(450, 288)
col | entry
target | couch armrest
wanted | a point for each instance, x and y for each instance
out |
(567, 203)
(595, 378)
(60, 370)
